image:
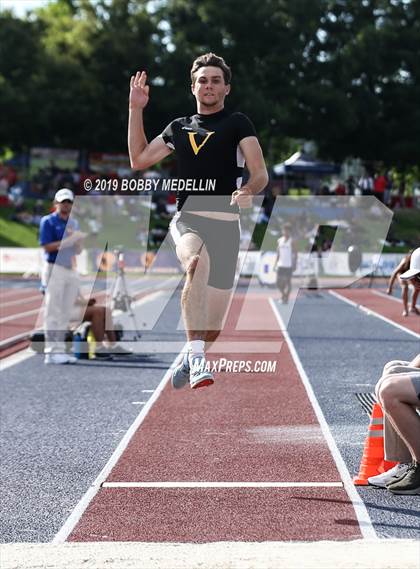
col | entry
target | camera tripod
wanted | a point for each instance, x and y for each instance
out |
(120, 298)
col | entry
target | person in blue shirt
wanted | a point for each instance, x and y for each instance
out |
(62, 240)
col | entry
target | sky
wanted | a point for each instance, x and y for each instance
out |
(20, 7)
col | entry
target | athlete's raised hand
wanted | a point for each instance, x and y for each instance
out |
(139, 91)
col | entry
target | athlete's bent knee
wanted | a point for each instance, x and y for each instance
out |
(389, 393)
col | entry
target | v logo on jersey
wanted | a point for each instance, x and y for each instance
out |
(196, 149)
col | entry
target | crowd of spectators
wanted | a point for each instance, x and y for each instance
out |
(381, 185)
(43, 184)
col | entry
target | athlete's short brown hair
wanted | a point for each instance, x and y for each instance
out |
(211, 59)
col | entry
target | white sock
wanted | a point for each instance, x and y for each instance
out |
(195, 348)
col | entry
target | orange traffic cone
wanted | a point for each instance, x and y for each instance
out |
(373, 461)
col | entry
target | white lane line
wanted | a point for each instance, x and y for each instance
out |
(388, 296)
(360, 509)
(222, 485)
(15, 359)
(14, 292)
(19, 315)
(370, 312)
(344, 299)
(23, 300)
(12, 339)
(80, 508)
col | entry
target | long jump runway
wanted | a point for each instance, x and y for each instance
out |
(252, 458)
(244, 460)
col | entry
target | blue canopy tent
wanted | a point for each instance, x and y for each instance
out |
(302, 165)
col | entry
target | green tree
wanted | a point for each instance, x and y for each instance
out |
(126, 40)
(344, 73)
(20, 61)
(67, 82)
(361, 81)
(341, 72)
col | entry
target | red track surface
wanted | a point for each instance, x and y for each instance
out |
(382, 305)
(13, 349)
(19, 323)
(200, 516)
(247, 427)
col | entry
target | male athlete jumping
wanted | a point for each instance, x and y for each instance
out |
(211, 145)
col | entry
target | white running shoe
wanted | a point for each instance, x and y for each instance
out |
(199, 376)
(58, 359)
(390, 476)
(181, 374)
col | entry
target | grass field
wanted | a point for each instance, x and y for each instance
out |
(15, 234)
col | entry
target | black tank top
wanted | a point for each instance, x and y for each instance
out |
(207, 150)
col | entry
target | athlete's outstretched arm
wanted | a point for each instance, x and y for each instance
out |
(142, 154)
(258, 177)
(398, 270)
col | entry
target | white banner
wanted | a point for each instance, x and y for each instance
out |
(384, 264)
(20, 260)
(24, 260)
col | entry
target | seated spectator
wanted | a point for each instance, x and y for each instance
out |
(379, 187)
(401, 268)
(100, 318)
(351, 185)
(340, 189)
(398, 391)
(22, 214)
(365, 184)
